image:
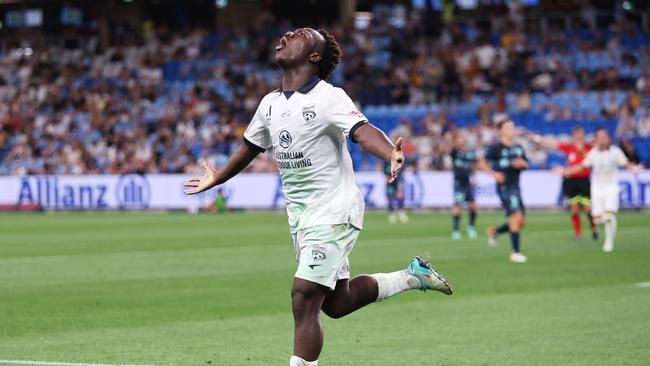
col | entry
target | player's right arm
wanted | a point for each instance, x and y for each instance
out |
(213, 177)
(547, 142)
(256, 140)
(588, 162)
(482, 164)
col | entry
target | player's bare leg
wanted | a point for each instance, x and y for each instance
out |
(308, 298)
(350, 295)
(306, 301)
(457, 210)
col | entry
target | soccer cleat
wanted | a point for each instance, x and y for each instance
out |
(403, 217)
(608, 246)
(428, 277)
(594, 234)
(518, 258)
(456, 235)
(471, 232)
(491, 232)
(577, 238)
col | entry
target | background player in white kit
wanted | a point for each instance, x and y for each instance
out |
(306, 123)
(604, 160)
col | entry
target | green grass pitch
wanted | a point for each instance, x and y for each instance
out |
(176, 289)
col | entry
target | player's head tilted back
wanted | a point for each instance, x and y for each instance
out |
(602, 139)
(306, 47)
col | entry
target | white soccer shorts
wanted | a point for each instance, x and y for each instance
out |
(604, 198)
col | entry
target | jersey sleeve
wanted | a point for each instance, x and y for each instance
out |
(523, 153)
(621, 159)
(564, 147)
(257, 134)
(588, 161)
(491, 153)
(342, 113)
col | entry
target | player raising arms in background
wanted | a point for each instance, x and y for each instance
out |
(604, 160)
(463, 162)
(576, 186)
(306, 123)
(509, 159)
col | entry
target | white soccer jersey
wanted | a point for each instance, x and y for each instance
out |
(307, 131)
(604, 165)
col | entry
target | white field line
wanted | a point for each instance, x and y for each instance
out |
(49, 363)
(643, 284)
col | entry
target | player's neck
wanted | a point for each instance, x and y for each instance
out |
(507, 142)
(296, 77)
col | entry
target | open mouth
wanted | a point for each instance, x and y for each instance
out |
(281, 45)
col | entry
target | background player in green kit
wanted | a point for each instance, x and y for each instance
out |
(463, 161)
(306, 123)
(395, 196)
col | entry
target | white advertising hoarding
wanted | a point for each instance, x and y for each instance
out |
(540, 189)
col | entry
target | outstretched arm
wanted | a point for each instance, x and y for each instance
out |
(634, 168)
(213, 177)
(377, 143)
(547, 142)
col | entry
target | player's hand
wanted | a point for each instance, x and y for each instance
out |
(637, 168)
(519, 163)
(558, 170)
(201, 184)
(499, 177)
(396, 160)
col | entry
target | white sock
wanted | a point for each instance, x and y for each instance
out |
(297, 361)
(390, 284)
(610, 229)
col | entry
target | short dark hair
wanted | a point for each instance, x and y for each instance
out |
(503, 122)
(330, 57)
(601, 129)
(578, 128)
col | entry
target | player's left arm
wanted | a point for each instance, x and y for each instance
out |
(521, 162)
(343, 114)
(377, 143)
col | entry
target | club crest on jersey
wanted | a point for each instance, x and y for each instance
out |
(309, 112)
(318, 252)
(285, 138)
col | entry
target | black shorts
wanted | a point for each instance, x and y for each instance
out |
(463, 193)
(576, 188)
(511, 199)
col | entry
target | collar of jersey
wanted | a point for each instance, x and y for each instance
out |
(305, 88)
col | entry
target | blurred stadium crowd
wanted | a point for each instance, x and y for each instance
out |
(161, 105)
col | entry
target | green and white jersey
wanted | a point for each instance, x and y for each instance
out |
(307, 131)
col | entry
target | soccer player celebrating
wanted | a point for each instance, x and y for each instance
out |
(463, 161)
(576, 187)
(395, 196)
(306, 123)
(604, 160)
(509, 159)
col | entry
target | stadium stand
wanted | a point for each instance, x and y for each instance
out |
(162, 104)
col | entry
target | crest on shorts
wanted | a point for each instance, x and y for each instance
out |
(318, 252)
(309, 111)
